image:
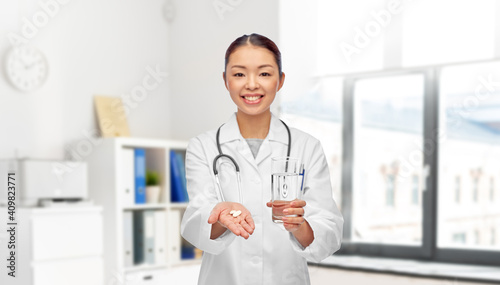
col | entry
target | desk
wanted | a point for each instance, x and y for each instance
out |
(55, 246)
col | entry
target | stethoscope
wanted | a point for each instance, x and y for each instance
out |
(236, 166)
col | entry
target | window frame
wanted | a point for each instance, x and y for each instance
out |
(428, 250)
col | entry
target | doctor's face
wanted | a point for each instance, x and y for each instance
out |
(252, 79)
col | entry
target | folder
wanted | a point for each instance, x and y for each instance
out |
(140, 175)
(128, 232)
(187, 252)
(149, 236)
(182, 175)
(176, 191)
(174, 234)
(138, 237)
(128, 186)
(160, 237)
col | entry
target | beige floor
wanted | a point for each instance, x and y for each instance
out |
(188, 275)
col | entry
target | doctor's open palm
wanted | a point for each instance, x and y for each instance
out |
(242, 225)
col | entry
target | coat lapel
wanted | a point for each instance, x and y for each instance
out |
(277, 134)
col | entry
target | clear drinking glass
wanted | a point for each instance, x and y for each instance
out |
(285, 185)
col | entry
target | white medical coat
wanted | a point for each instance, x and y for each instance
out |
(271, 255)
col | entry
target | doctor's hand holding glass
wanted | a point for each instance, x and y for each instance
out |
(219, 212)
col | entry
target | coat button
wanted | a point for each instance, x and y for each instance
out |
(255, 260)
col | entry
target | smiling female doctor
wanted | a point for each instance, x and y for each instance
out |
(267, 253)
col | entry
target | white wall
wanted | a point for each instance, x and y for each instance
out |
(199, 37)
(93, 47)
(104, 47)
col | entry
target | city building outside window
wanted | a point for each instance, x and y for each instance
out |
(492, 189)
(415, 190)
(389, 191)
(457, 189)
(475, 189)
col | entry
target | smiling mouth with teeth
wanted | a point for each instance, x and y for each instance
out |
(253, 98)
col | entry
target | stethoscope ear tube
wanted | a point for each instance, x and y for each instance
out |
(221, 196)
(225, 155)
(289, 139)
(216, 173)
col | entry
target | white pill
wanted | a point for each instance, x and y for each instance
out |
(232, 211)
(236, 213)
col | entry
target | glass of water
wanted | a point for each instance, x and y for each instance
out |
(285, 185)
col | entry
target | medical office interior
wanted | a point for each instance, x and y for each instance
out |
(403, 95)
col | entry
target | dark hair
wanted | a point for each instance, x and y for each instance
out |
(258, 41)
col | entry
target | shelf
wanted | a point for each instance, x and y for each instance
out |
(185, 262)
(179, 205)
(150, 143)
(141, 267)
(145, 206)
(111, 179)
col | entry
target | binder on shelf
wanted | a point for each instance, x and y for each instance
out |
(187, 252)
(128, 186)
(138, 225)
(178, 178)
(149, 236)
(182, 172)
(198, 253)
(140, 175)
(160, 237)
(128, 232)
(174, 234)
(144, 240)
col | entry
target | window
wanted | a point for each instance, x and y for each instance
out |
(470, 147)
(459, 238)
(387, 118)
(391, 135)
(422, 132)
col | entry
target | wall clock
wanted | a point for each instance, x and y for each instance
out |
(26, 67)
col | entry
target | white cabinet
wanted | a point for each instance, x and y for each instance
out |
(57, 246)
(109, 187)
